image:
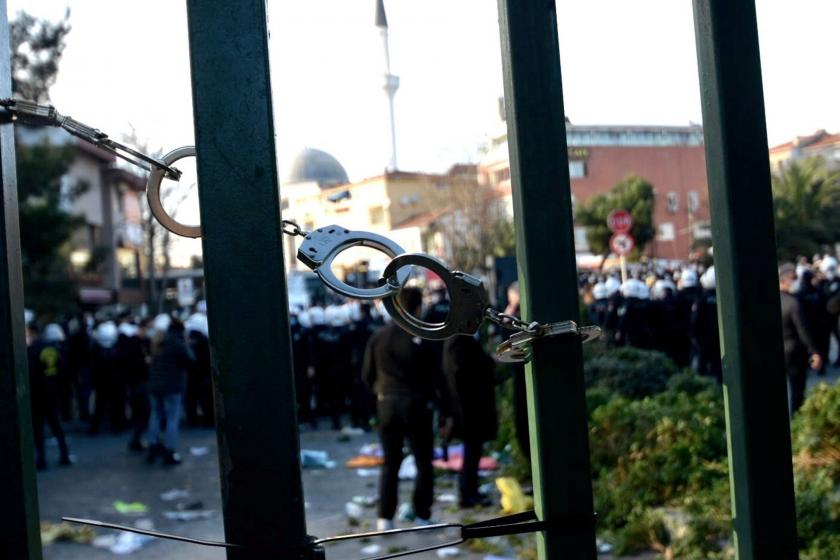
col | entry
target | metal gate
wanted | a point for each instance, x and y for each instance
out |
(262, 493)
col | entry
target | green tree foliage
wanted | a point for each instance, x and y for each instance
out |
(633, 194)
(806, 198)
(37, 46)
(45, 227)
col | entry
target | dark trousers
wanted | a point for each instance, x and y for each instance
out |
(401, 418)
(138, 400)
(797, 379)
(45, 410)
(468, 477)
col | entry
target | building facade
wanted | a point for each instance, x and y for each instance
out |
(671, 158)
(820, 144)
(106, 250)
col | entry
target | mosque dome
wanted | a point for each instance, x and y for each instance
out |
(312, 165)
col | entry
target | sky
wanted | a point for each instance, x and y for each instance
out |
(126, 66)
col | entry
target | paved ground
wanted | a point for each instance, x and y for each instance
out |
(106, 472)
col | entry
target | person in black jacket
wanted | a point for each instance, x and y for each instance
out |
(171, 359)
(471, 376)
(400, 369)
(46, 360)
(801, 348)
(132, 361)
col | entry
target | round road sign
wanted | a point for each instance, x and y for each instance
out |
(619, 221)
(622, 243)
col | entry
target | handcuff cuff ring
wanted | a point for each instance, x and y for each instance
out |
(156, 176)
(322, 246)
(467, 299)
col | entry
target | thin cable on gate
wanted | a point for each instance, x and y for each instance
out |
(34, 114)
(516, 524)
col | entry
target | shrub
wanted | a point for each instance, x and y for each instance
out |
(816, 447)
(630, 371)
(666, 451)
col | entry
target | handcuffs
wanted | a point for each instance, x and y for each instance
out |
(468, 304)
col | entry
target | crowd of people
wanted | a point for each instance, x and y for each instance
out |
(352, 365)
(674, 311)
(122, 375)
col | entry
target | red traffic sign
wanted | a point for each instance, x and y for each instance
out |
(619, 221)
(622, 243)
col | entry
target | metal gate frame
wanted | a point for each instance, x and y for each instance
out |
(262, 492)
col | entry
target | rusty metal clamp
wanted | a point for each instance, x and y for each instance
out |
(518, 348)
(467, 299)
(156, 176)
(322, 246)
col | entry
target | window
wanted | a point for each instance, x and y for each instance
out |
(693, 202)
(666, 232)
(577, 169)
(673, 202)
(377, 215)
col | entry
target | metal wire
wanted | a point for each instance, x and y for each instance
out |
(34, 114)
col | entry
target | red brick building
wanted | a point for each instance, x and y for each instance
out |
(671, 158)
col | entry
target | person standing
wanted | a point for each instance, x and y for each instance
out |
(471, 376)
(107, 380)
(46, 361)
(400, 369)
(132, 360)
(704, 324)
(801, 349)
(200, 374)
(171, 359)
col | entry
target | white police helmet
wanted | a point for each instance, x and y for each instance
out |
(28, 316)
(197, 322)
(316, 315)
(303, 319)
(599, 291)
(53, 333)
(828, 266)
(128, 329)
(688, 278)
(161, 323)
(708, 279)
(106, 334)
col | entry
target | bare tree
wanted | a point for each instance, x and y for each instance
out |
(476, 226)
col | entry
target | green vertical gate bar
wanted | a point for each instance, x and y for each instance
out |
(20, 537)
(748, 291)
(262, 493)
(547, 271)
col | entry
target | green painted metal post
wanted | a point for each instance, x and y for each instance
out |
(20, 537)
(547, 270)
(262, 493)
(748, 290)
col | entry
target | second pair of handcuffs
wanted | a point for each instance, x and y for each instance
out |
(468, 303)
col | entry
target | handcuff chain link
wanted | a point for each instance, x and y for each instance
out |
(46, 115)
(511, 322)
(292, 228)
